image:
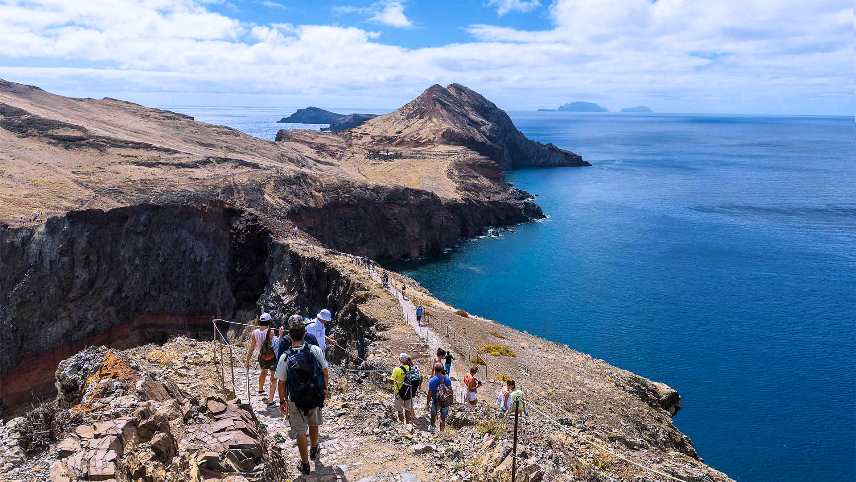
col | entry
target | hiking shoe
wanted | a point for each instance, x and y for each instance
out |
(314, 452)
(303, 468)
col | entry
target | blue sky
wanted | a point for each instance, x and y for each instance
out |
(735, 56)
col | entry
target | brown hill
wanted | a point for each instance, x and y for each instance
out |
(456, 115)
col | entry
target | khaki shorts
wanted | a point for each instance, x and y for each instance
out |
(406, 405)
(300, 423)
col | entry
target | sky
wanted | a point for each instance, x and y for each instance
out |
(723, 56)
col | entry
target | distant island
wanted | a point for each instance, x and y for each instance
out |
(578, 107)
(337, 122)
(641, 109)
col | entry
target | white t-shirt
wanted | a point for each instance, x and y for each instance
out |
(319, 330)
(259, 335)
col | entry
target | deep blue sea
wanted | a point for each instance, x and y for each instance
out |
(714, 253)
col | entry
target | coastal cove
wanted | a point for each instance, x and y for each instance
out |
(711, 253)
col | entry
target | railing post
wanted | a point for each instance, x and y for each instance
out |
(514, 447)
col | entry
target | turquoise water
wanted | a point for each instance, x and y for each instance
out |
(714, 253)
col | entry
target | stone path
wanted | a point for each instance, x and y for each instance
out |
(345, 457)
(378, 454)
(431, 338)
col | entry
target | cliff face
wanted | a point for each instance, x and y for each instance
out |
(123, 277)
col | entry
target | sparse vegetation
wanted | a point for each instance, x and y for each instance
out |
(497, 349)
(502, 377)
(462, 313)
(497, 334)
(43, 425)
(477, 360)
(493, 426)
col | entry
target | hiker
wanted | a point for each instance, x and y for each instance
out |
(385, 279)
(261, 347)
(472, 383)
(285, 341)
(447, 362)
(318, 328)
(420, 311)
(303, 377)
(404, 291)
(440, 359)
(508, 396)
(440, 397)
(405, 383)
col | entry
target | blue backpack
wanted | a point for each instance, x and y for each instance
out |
(305, 379)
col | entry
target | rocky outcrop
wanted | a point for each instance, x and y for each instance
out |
(129, 422)
(456, 115)
(310, 115)
(337, 122)
(348, 121)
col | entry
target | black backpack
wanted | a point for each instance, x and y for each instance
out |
(305, 379)
(412, 381)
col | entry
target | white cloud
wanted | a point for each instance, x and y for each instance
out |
(385, 12)
(506, 6)
(392, 14)
(274, 5)
(727, 56)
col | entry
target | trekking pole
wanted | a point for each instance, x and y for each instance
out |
(514, 447)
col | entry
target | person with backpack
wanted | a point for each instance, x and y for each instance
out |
(420, 311)
(285, 340)
(440, 397)
(261, 347)
(303, 377)
(405, 384)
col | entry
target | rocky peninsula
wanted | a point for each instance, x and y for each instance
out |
(126, 226)
(336, 122)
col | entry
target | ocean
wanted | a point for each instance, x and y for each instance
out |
(714, 253)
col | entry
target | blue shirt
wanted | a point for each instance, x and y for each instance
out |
(435, 382)
(319, 331)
